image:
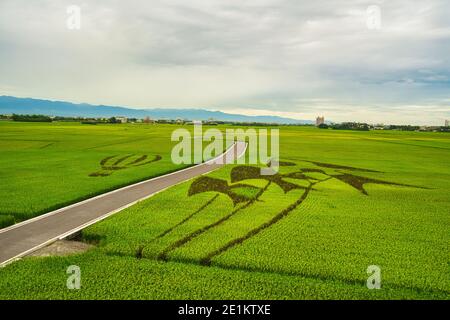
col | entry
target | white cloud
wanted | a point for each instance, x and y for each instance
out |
(298, 58)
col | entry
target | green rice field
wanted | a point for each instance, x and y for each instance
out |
(341, 202)
(45, 166)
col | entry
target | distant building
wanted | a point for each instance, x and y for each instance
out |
(447, 123)
(122, 119)
(320, 120)
(148, 120)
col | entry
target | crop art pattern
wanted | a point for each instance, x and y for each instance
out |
(296, 184)
(119, 162)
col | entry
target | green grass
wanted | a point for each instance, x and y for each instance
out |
(326, 235)
(45, 166)
(108, 277)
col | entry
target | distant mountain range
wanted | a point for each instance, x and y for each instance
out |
(10, 105)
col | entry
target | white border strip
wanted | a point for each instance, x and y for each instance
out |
(106, 215)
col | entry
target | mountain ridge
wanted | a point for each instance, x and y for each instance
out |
(10, 104)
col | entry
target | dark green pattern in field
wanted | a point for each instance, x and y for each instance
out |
(242, 202)
(113, 163)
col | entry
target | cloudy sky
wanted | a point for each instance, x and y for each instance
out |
(281, 57)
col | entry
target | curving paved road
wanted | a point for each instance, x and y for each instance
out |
(28, 236)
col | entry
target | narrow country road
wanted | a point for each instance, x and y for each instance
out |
(23, 238)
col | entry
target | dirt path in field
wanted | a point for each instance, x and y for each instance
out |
(23, 238)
